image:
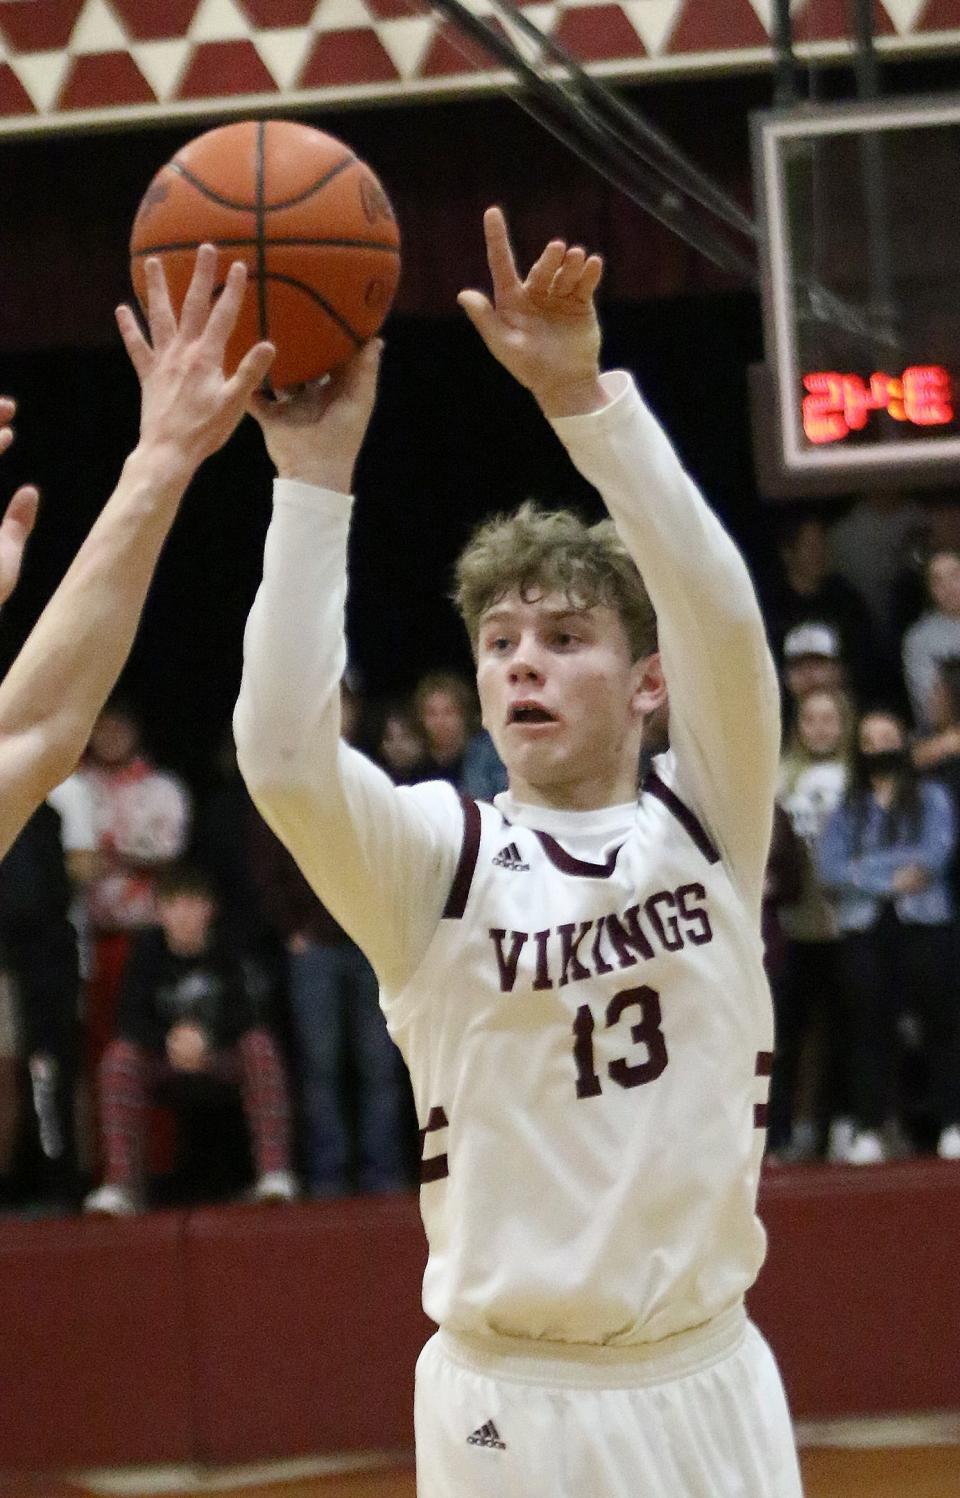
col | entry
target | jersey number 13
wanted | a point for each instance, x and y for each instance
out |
(645, 1032)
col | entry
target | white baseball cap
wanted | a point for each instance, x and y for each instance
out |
(811, 639)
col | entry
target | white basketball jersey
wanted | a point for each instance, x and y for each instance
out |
(590, 1044)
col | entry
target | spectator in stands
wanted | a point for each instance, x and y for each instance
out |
(871, 547)
(191, 1005)
(458, 749)
(808, 1096)
(812, 660)
(935, 636)
(884, 856)
(72, 800)
(937, 754)
(400, 746)
(142, 817)
(221, 846)
(338, 1029)
(781, 884)
(807, 589)
(39, 945)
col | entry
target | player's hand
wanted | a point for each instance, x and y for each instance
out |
(189, 407)
(315, 434)
(20, 514)
(188, 1047)
(544, 330)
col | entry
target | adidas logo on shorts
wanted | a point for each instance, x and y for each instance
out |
(487, 1435)
(509, 858)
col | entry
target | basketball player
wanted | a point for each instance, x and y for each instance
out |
(573, 974)
(68, 666)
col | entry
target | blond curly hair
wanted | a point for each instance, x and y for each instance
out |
(537, 551)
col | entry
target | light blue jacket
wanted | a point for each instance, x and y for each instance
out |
(859, 884)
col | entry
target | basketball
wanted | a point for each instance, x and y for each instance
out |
(309, 219)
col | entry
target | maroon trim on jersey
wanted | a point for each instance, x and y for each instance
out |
(436, 1119)
(764, 1064)
(463, 878)
(690, 823)
(567, 864)
(760, 1112)
(437, 1168)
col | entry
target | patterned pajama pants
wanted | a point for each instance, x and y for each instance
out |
(131, 1075)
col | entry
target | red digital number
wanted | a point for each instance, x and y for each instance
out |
(837, 404)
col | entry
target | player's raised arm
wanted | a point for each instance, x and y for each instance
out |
(724, 705)
(380, 859)
(69, 664)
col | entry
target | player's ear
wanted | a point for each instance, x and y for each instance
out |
(650, 688)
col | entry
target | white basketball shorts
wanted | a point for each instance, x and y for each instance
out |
(702, 1415)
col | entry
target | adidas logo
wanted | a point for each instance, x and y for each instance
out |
(509, 858)
(487, 1435)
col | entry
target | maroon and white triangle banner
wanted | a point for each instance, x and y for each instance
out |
(69, 63)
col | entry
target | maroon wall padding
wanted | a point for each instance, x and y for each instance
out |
(237, 1333)
(306, 1326)
(860, 1295)
(93, 1343)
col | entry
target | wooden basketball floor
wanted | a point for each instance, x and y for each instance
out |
(919, 1472)
(914, 1472)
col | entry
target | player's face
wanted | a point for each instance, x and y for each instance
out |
(563, 701)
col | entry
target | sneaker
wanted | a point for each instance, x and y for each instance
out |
(112, 1201)
(949, 1146)
(866, 1149)
(275, 1186)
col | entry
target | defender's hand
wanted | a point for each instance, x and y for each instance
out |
(316, 434)
(20, 515)
(189, 407)
(544, 330)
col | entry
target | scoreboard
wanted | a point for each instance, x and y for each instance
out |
(859, 208)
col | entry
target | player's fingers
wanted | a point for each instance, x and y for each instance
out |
(6, 437)
(480, 312)
(163, 324)
(196, 303)
(569, 272)
(543, 271)
(21, 514)
(589, 278)
(359, 374)
(250, 375)
(139, 350)
(260, 406)
(503, 267)
(223, 318)
(8, 408)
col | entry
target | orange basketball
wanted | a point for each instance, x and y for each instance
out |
(312, 223)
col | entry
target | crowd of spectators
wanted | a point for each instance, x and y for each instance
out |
(165, 970)
(167, 974)
(864, 617)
